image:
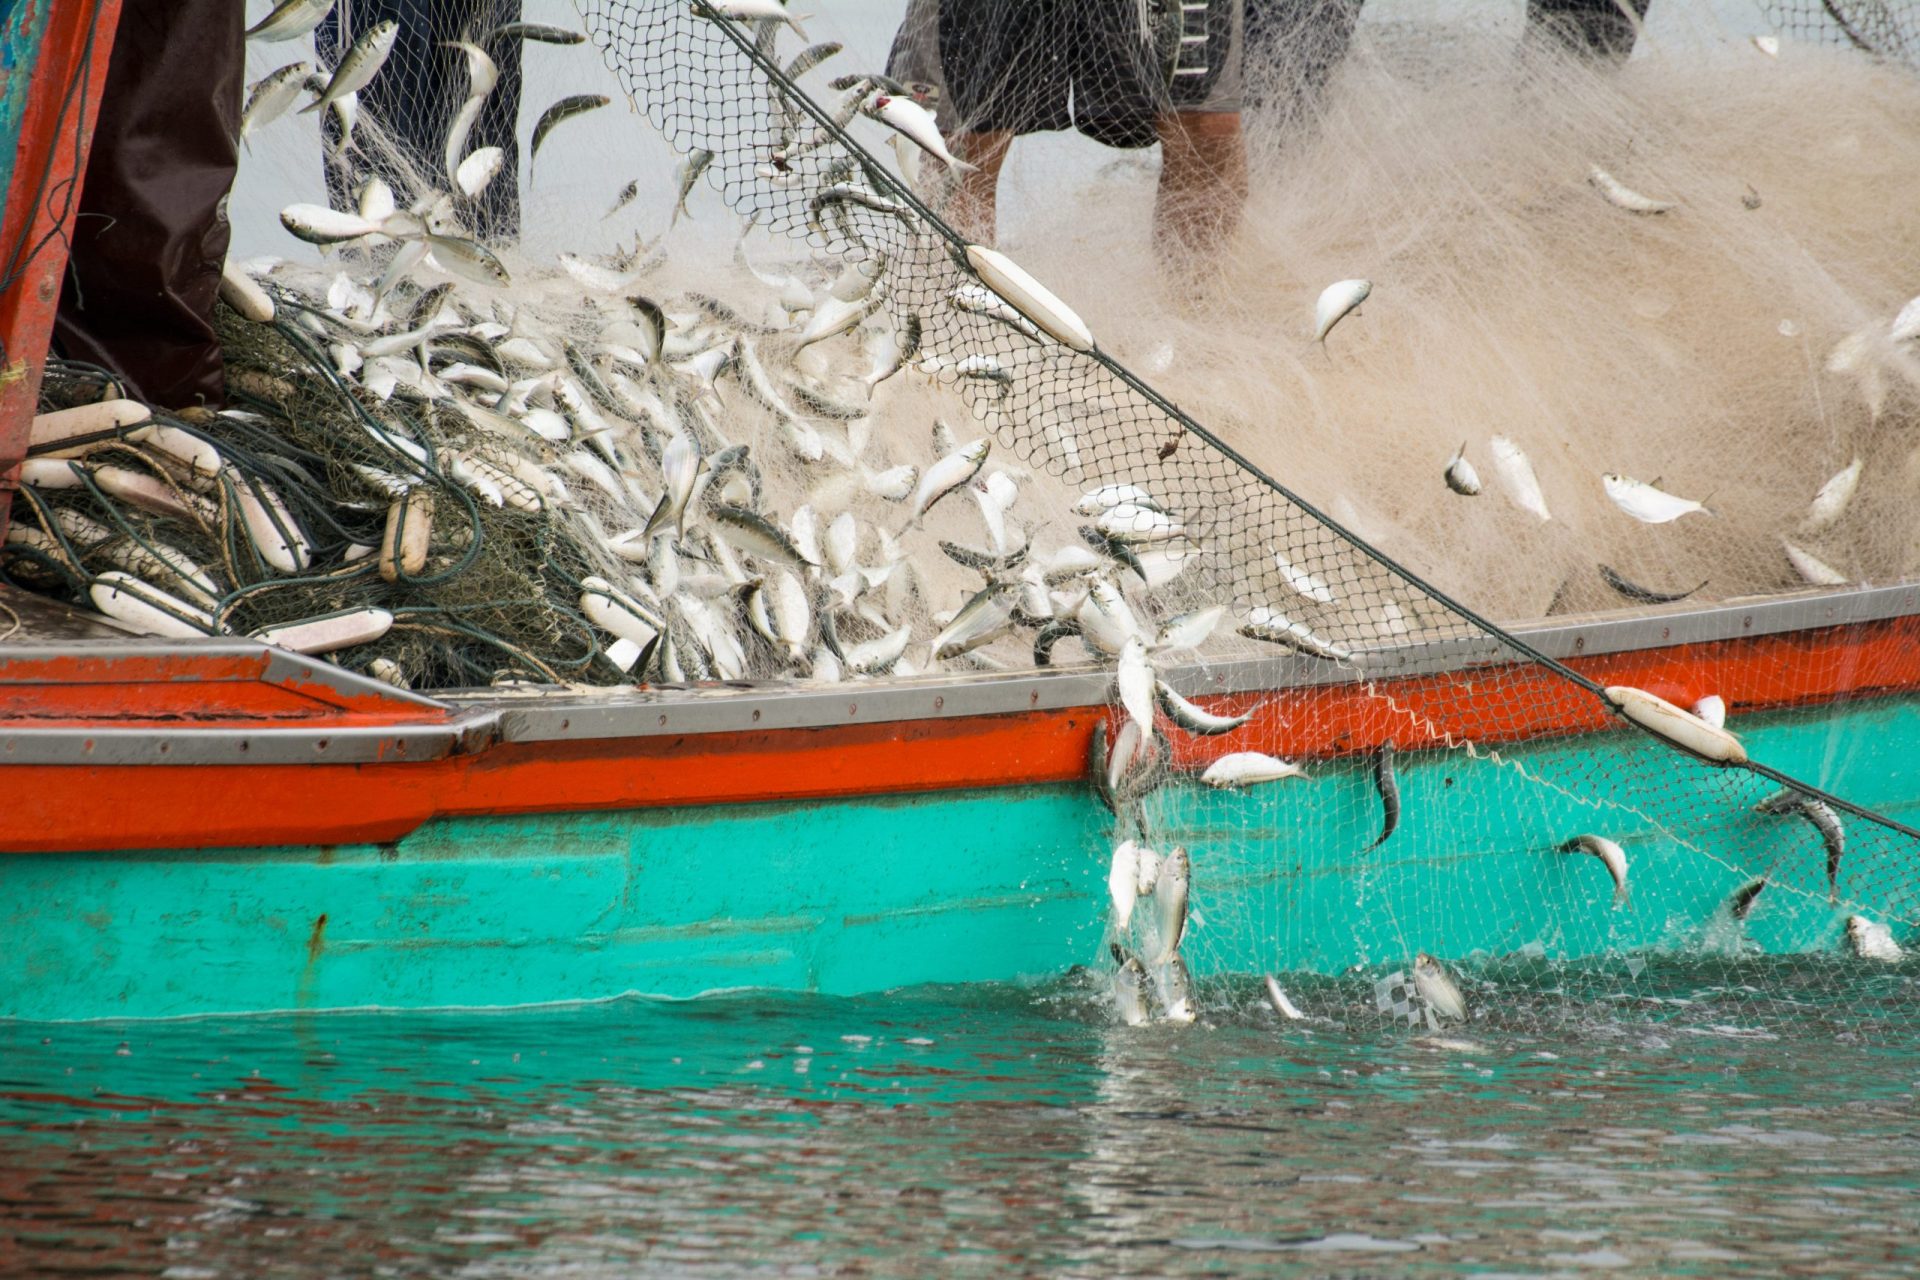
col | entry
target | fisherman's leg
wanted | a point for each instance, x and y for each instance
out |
(1203, 182)
(151, 232)
(1603, 29)
(971, 207)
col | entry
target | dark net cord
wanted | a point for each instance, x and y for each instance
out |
(865, 165)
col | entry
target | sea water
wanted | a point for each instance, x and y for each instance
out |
(987, 1130)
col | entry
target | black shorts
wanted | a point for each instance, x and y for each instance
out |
(1029, 66)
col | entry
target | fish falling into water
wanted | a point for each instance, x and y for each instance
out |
(1437, 988)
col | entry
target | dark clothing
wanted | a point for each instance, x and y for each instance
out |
(1030, 66)
(1293, 47)
(150, 235)
(415, 97)
(1592, 28)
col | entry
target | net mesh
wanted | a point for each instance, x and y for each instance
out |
(539, 415)
(1221, 532)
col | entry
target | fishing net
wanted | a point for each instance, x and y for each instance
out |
(786, 290)
(1383, 666)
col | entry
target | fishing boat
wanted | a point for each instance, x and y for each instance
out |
(217, 825)
(221, 826)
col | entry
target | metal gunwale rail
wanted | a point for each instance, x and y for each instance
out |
(468, 721)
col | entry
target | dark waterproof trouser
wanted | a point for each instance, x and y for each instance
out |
(150, 234)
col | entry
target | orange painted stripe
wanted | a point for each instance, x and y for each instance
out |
(71, 808)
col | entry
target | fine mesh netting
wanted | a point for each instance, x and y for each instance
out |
(748, 411)
(1197, 526)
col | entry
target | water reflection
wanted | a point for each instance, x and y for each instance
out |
(996, 1131)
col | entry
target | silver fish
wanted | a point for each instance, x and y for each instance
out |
(680, 466)
(1787, 802)
(1123, 888)
(558, 114)
(1611, 855)
(359, 65)
(1278, 999)
(1130, 989)
(755, 534)
(948, 474)
(686, 173)
(1461, 477)
(468, 259)
(271, 95)
(1871, 940)
(984, 618)
(1620, 196)
(1436, 987)
(1194, 719)
(1170, 890)
(1269, 624)
(1337, 300)
(290, 20)
(1176, 990)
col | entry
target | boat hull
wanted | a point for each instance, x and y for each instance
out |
(1005, 883)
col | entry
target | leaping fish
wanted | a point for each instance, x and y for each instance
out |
(290, 20)
(1130, 988)
(359, 65)
(1787, 802)
(1437, 988)
(1871, 940)
(1611, 855)
(1278, 999)
(559, 113)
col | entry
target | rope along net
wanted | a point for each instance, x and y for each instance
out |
(1375, 657)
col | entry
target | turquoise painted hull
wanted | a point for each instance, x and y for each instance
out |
(862, 895)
